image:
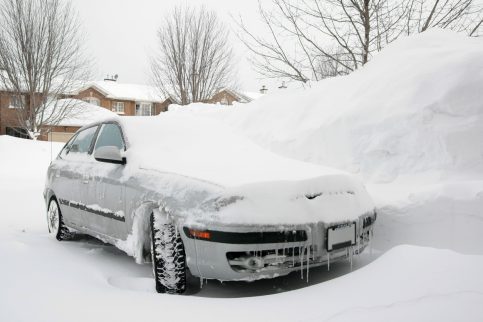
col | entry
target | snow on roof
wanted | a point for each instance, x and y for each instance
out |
(242, 97)
(81, 113)
(128, 92)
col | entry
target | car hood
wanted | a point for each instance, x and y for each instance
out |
(328, 199)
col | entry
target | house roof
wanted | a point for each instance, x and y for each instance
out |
(242, 97)
(81, 113)
(127, 92)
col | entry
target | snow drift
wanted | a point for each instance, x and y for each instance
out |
(417, 106)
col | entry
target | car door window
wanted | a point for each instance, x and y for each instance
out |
(81, 144)
(65, 150)
(110, 135)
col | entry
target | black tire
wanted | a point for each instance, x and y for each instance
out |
(168, 257)
(55, 222)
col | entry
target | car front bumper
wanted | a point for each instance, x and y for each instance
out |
(254, 252)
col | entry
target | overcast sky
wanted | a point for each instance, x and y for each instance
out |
(121, 35)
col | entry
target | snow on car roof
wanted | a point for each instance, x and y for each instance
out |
(209, 150)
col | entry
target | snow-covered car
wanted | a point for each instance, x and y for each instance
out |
(189, 193)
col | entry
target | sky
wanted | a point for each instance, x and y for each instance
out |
(120, 35)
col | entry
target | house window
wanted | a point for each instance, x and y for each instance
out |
(118, 107)
(144, 109)
(17, 101)
(17, 132)
(224, 100)
(92, 100)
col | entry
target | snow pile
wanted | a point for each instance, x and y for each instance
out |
(417, 106)
(23, 169)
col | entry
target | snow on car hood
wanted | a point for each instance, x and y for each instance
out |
(328, 199)
(268, 189)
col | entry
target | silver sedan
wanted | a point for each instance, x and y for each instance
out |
(178, 221)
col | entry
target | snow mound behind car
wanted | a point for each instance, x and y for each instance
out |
(416, 107)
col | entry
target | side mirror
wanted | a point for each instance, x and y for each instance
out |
(110, 154)
(73, 148)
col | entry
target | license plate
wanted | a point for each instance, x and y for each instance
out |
(341, 236)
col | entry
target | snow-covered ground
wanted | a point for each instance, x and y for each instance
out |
(410, 124)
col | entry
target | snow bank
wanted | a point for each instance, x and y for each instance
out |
(417, 106)
(23, 169)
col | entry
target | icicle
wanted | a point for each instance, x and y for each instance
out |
(308, 263)
(301, 258)
(351, 253)
(197, 265)
(370, 242)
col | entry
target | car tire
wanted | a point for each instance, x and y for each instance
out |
(55, 222)
(168, 256)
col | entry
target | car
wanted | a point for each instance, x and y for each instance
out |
(191, 195)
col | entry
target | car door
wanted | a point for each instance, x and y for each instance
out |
(104, 192)
(68, 172)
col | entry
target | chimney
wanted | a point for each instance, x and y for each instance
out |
(264, 89)
(111, 78)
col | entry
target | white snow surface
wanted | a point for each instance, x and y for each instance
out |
(407, 111)
(406, 283)
(409, 124)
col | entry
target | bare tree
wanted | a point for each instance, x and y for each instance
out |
(42, 61)
(194, 58)
(457, 15)
(314, 39)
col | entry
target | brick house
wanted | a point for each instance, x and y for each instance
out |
(9, 124)
(124, 99)
(228, 96)
(82, 114)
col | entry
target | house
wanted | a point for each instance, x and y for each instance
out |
(80, 113)
(9, 123)
(226, 96)
(124, 99)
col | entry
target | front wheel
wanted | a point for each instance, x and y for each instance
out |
(55, 222)
(168, 256)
